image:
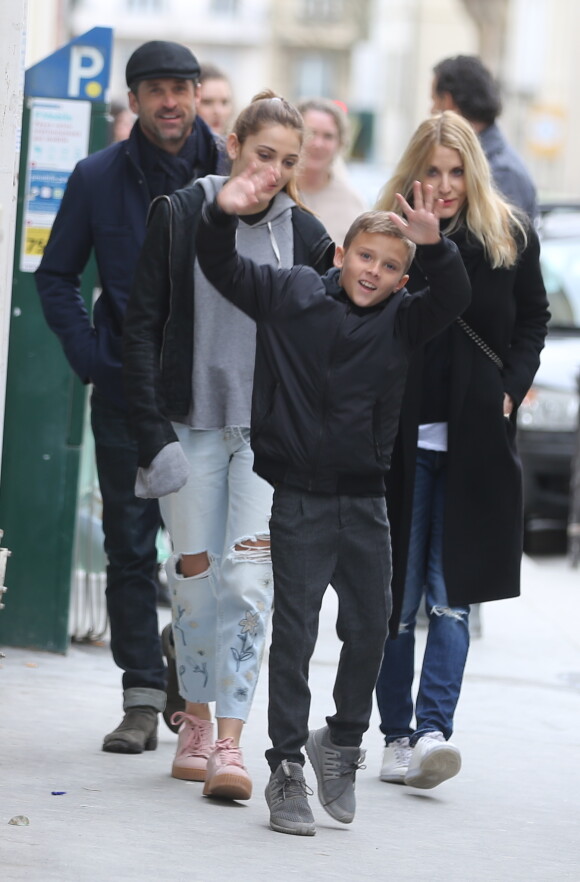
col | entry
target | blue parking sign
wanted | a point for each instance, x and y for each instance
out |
(80, 70)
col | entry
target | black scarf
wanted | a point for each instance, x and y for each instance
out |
(166, 172)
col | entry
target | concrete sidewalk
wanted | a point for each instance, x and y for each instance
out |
(511, 814)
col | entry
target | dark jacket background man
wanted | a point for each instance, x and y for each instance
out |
(104, 212)
(465, 85)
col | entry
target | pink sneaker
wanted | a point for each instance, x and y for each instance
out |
(227, 776)
(194, 745)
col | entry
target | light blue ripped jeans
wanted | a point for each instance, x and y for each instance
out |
(220, 617)
(448, 634)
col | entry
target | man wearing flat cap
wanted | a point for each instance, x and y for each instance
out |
(104, 211)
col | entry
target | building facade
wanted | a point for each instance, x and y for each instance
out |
(375, 55)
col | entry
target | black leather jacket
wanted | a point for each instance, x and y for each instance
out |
(158, 329)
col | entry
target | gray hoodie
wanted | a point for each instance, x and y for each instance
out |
(224, 338)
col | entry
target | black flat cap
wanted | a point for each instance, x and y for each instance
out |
(160, 58)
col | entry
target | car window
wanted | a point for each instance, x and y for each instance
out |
(560, 261)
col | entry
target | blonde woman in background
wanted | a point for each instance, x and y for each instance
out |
(322, 182)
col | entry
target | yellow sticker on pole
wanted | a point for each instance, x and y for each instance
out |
(58, 137)
(35, 240)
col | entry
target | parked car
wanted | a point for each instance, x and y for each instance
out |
(548, 416)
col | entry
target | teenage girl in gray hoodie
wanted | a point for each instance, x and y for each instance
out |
(189, 382)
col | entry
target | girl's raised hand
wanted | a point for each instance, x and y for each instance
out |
(421, 223)
(247, 189)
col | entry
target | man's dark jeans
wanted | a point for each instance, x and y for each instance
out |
(130, 526)
(318, 540)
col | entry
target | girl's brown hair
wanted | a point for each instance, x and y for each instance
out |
(267, 109)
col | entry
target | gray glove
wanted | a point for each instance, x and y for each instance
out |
(168, 473)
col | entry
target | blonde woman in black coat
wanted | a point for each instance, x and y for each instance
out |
(454, 491)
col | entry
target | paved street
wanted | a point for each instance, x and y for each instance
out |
(511, 814)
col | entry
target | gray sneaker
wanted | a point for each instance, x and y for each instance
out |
(287, 797)
(335, 768)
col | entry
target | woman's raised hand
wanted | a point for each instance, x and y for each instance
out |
(421, 223)
(247, 189)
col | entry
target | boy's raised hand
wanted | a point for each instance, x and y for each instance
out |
(247, 189)
(421, 223)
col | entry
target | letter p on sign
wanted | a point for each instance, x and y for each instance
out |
(86, 63)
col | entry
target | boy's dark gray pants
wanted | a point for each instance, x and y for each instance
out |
(317, 541)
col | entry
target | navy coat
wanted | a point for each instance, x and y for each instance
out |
(104, 210)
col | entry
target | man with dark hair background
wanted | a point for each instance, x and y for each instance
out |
(465, 85)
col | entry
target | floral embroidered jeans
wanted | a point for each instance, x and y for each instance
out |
(220, 617)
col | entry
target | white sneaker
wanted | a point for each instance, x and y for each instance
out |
(396, 758)
(433, 760)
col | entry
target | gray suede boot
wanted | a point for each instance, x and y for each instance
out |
(136, 732)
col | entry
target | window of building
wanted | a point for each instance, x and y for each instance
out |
(144, 6)
(315, 74)
(327, 11)
(224, 7)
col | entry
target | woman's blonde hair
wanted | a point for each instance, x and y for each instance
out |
(491, 220)
(267, 109)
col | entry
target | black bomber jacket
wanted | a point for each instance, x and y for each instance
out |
(329, 375)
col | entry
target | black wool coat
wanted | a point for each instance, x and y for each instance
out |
(483, 521)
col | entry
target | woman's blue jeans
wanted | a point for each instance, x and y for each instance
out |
(448, 632)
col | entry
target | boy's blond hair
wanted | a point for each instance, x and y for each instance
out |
(379, 222)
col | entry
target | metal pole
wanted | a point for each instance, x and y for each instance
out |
(574, 518)
(12, 43)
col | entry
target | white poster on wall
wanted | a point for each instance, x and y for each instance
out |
(58, 138)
